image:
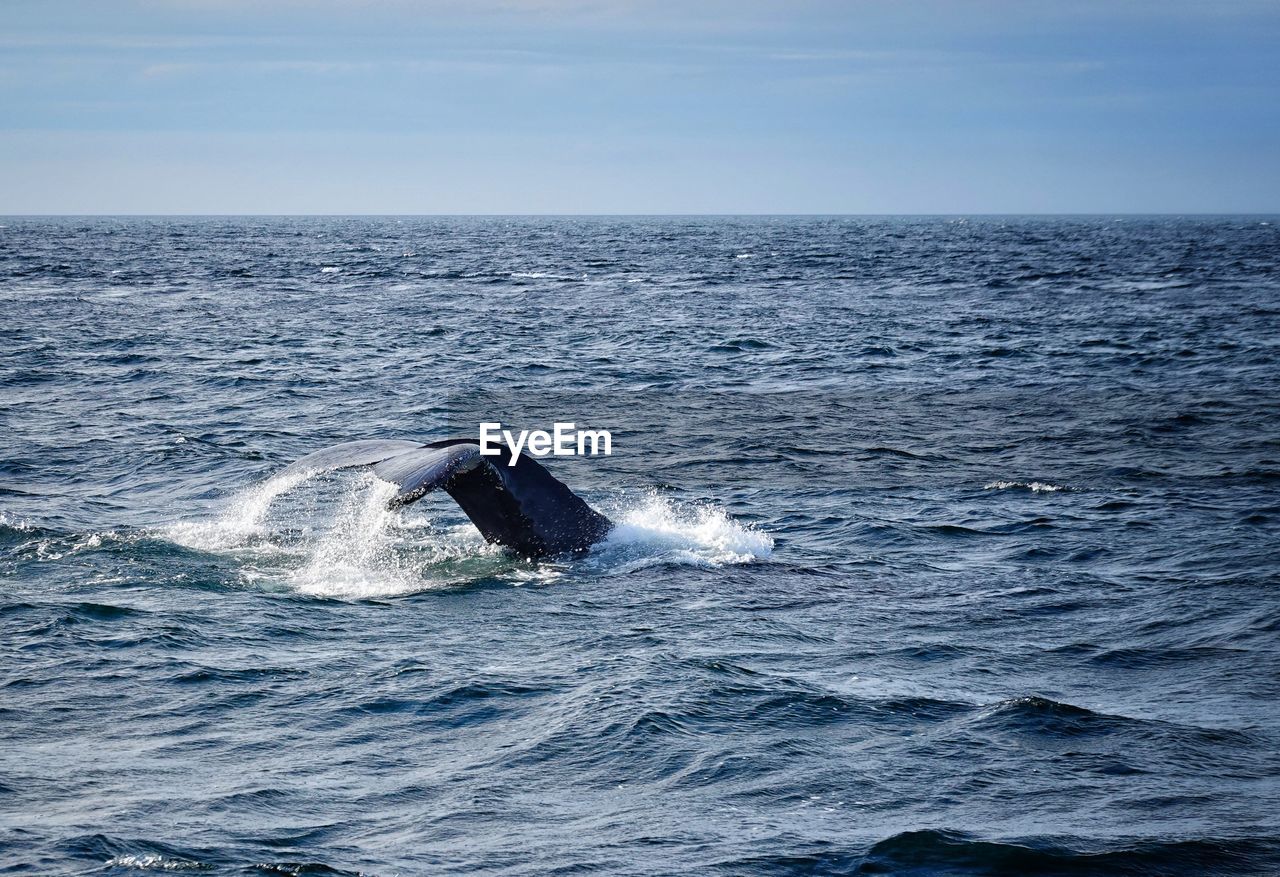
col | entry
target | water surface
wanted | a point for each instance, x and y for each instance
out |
(945, 546)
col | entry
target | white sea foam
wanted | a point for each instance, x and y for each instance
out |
(154, 862)
(13, 523)
(330, 269)
(58, 547)
(656, 529)
(1033, 486)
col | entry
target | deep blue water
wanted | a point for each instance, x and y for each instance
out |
(946, 547)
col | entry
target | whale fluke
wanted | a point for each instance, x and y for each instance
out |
(522, 507)
(350, 454)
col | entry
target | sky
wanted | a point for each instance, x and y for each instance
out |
(639, 106)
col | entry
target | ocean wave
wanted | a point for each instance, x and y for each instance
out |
(27, 540)
(1046, 718)
(1033, 486)
(11, 525)
(932, 851)
(741, 345)
(1040, 715)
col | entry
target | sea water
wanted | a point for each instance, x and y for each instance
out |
(942, 545)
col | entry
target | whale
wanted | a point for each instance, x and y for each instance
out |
(513, 501)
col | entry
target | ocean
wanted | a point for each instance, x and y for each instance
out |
(944, 546)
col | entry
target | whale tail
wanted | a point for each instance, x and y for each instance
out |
(522, 507)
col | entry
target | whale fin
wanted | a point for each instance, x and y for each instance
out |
(420, 470)
(366, 452)
(523, 507)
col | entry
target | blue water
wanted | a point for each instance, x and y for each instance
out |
(945, 546)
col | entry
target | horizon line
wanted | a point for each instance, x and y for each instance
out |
(551, 215)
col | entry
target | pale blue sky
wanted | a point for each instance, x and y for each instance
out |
(638, 106)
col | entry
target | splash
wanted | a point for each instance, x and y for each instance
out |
(241, 522)
(359, 544)
(339, 538)
(658, 530)
(372, 550)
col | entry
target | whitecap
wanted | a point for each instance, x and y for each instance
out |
(1033, 486)
(14, 523)
(155, 862)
